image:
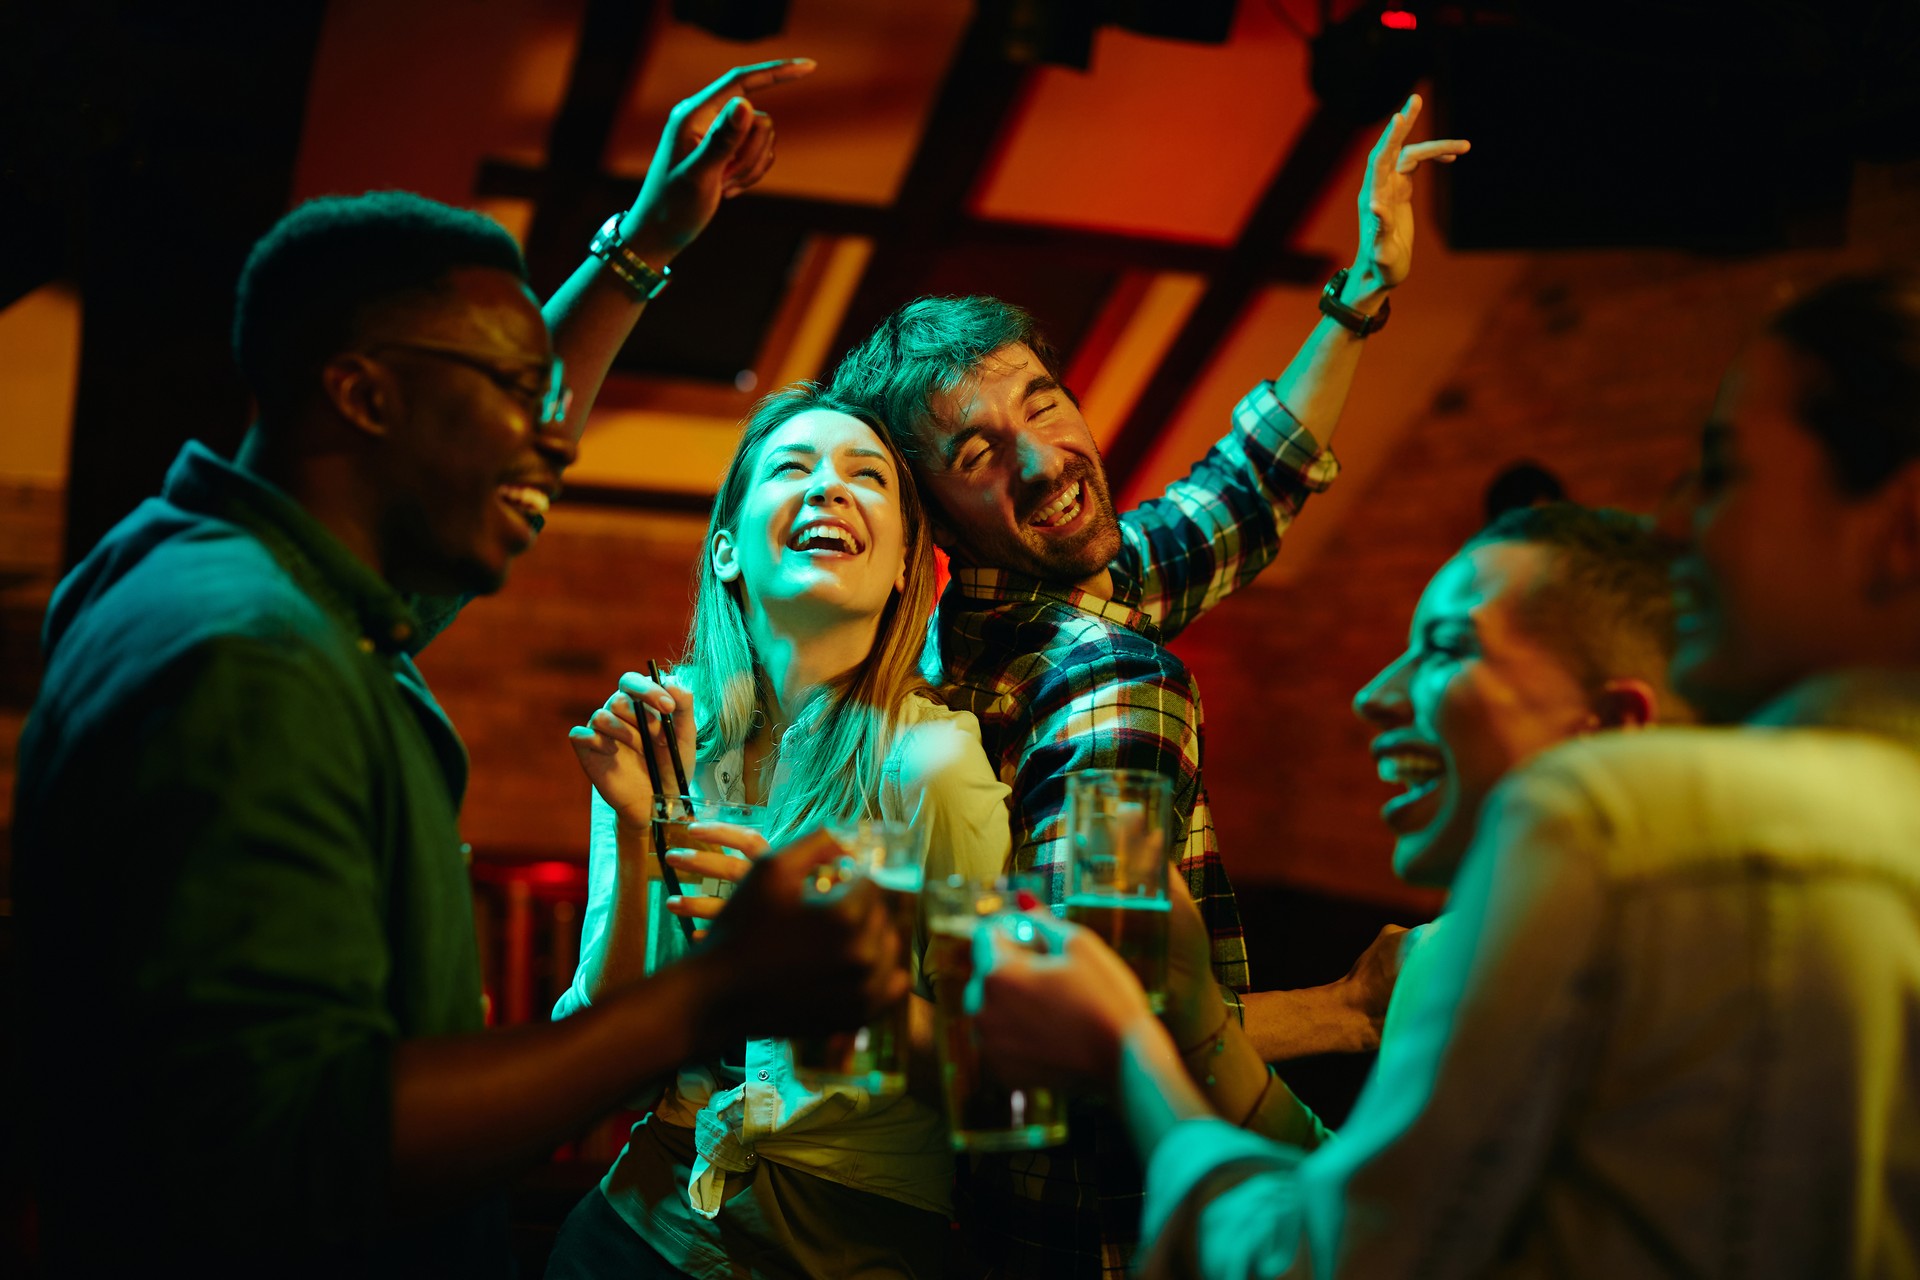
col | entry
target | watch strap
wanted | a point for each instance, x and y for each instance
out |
(643, 279)
(1358, 321)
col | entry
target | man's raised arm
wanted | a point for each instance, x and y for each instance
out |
(1314, 385)
(1217, 528)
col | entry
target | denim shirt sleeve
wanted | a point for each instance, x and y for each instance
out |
(1454, 1127)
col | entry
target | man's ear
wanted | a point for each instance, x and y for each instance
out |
(726, 565)
(1626, 703)
(1895, 569)
(942, 536)
(360, 392)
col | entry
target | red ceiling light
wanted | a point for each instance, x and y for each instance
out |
(1399, 20)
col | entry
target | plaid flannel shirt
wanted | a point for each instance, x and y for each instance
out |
(1061, 680)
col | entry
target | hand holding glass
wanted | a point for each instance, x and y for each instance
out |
(983, 1112)
(873, 1058)
(703, 841)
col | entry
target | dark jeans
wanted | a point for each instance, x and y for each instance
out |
(595, 1242)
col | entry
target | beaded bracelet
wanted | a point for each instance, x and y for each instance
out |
(1218, 1041)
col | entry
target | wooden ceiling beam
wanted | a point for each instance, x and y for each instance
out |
(615, 37)
(975, 102)
(978, 98)
(1317, 156)
(1119, 251)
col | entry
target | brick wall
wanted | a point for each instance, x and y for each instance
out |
(601, 593)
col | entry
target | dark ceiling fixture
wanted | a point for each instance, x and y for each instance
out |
(741, 20)
(1367, 62)
(1688, 124)
(1061, 32)
(1521, 484)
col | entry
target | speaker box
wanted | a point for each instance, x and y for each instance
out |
(1723, 128)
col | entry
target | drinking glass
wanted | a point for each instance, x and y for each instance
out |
(983, 1112)
(672, 815)
(1120, 829)
(873, 1058)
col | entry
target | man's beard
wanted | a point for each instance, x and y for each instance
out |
(1086, 552)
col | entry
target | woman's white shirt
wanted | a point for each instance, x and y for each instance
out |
(936, 781)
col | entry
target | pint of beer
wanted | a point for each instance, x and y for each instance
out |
(874, 1057)
(1136, 927)
(983, 1113)
(1120, 831)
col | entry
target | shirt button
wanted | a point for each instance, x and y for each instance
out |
(765, 1074)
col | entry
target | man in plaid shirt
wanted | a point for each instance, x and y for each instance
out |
(1052, 632)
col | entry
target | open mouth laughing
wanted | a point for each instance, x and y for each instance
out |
(1413, 766)
(529, 500)
(826, 538)
(1063, 509)
(526, 505)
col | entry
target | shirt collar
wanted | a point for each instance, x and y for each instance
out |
(201, 481)
(1008, 586)
(1884, 701)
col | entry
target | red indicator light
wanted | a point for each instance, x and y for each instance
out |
(1399, 20)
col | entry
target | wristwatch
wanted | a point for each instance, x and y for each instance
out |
(642, 279)
(1359, 321)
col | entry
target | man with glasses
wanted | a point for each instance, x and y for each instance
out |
(250, 978)
(547, 399)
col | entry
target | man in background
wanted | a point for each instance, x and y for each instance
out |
(1053, 634)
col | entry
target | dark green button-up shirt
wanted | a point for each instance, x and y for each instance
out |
(240, 883)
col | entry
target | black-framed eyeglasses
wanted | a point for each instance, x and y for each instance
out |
(550, 404)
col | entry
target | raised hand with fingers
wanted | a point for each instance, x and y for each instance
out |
(1386, 197)
(608, 746)
(717, 143)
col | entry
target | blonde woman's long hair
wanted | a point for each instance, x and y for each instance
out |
(836, 747)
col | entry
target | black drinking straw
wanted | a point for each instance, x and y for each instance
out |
(668, 876)
(673, 742)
